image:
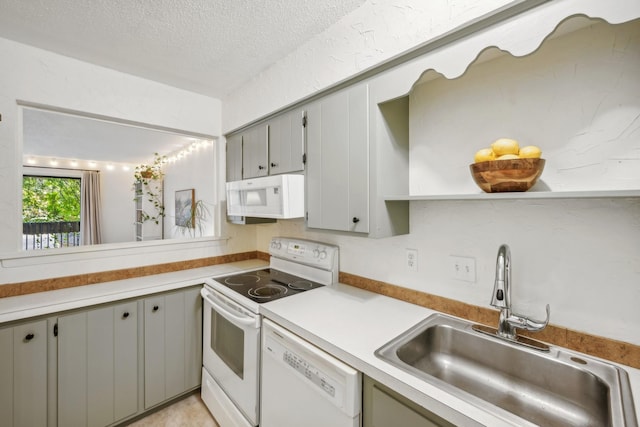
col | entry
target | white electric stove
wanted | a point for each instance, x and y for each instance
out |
(232, 323)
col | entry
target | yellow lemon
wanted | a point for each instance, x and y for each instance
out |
(508, 157)
(530, 152)
(484, 155)
(505, 146)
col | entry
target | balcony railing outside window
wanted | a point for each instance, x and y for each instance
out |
(44, 235)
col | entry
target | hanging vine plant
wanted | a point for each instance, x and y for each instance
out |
(148, 184)
(150, 172)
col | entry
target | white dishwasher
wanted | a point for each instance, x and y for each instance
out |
(304, 386)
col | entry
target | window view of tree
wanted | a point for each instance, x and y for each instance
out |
(50, 211)
(47, 199)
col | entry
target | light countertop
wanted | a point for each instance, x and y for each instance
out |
(351, 324)
(345, 321)
(43, 303)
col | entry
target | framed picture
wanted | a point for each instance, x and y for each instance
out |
(184, 208)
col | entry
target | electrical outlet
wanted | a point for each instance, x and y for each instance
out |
(463, 268)
(412, 259)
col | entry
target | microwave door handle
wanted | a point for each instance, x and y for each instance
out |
(231, 317)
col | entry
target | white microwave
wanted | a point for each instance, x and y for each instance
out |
(277, 196)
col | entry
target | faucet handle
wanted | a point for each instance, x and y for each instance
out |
(528, 324)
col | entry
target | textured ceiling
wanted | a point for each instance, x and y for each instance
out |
(62, 136)
(206, 46)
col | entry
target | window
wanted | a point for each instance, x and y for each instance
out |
(50, 212)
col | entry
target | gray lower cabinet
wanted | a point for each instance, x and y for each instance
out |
(23, 375)
(383, 407)
(172, 345)
(98, 365)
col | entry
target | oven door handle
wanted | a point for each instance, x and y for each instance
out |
(231, 317)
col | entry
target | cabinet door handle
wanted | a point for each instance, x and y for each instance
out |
(261, 167)
(155, 308)
(125, 314)
(29, 337)
(356, 220)
(274, 165)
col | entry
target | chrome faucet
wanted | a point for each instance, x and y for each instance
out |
(501, 299)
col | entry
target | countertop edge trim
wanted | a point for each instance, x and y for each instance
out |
(602, 347)
(55, 283)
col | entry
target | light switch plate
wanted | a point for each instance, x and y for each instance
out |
(463, 268)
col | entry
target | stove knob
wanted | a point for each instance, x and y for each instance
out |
(316, 253)
(323, 255)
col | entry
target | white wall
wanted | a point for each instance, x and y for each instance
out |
(36, 76)
(582, 256)
(576, 97)
(373, 33)
(194, 171)
(116, 190)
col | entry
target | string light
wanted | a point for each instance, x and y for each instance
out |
(195, 145)
(185, 151)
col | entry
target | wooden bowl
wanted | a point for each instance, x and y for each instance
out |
(495, 176)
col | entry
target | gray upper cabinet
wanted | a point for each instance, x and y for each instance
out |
(338, 161)
(354, 150)
(255, 143)
(286, 143)
(234, 158)
(98, 365)
(270, 148)
(23, 375)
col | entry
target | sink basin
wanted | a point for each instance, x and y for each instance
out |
(553, 388)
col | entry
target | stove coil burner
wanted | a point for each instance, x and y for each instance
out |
(244, 279)
(268, 291)
(301, 285)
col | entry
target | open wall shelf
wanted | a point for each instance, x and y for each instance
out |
(523, 195)
(568, 86)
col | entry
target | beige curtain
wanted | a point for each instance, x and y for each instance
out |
(90, 208)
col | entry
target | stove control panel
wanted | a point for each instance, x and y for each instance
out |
(309, 252)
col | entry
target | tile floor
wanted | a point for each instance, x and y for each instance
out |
(188, 412)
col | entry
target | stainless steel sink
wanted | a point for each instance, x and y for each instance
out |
(554, 388)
